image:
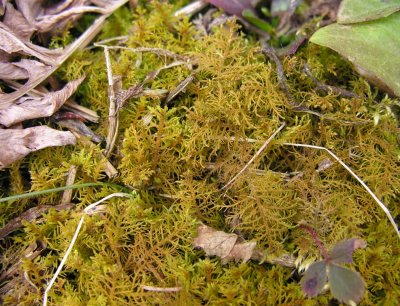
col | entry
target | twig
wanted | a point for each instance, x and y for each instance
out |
(158, 51)
(179, 88)
(160, 289)
(86, 211)
(270, 52)
(191, 8)
(381, 205)
(253, 158)
(67, 194)
(327, 88)
(112, 110)
(29, 215)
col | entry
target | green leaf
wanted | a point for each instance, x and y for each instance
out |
(314, 279)
(353, 11)
(347, 286)
(372, 46)
(259, 23)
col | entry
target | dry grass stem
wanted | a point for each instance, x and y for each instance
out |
(227, 185)
(87, 211)
(67, 194)
(112, 111)
(191, 8)
(159, 289)
(382, 206)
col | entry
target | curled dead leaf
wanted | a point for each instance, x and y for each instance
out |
(37, 107)
(16, 144)
(16, 21)
(224, 245)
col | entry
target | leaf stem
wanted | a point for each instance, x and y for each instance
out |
(317, 241)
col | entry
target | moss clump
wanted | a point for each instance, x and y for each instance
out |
(179, 155)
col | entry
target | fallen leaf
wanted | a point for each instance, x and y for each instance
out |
(36, 107)
(16, 21)
(240, 251)
(16, 144)
(9, 71)
(24, 69)
(373, 47)
(52, 16)
(45, 19)
(13, 44)
(224, 245)
(353, 11)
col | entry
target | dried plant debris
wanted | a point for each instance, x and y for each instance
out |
(31, 63)
(29, 107)
(23, 19)
(16, 143)
(228, 247)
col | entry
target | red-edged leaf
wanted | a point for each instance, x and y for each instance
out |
(343, 251)
(314, 279)
(232, 7)
(347, 286)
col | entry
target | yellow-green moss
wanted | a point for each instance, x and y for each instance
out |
(179, 156)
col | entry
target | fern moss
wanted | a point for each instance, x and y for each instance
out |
(178, 156)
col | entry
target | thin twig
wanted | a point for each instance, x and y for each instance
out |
(328, 88)
(270, 52)
(160, 289)
(112, 111)
(158, 51)
(253, 158)
(382, 206)
(191, 8)
(67, 194)
(71, 245)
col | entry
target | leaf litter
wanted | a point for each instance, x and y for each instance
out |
(34, 64)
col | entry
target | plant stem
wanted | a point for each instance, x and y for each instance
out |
(318, 241)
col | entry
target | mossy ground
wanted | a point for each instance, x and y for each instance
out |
(181, 154)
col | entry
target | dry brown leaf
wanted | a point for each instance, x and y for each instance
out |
(24, 69)
(15, 144)
(10, 43)
(226, 246)
(37, 107)
(17, 22)
(9, 71)
(14, 34)
(45, 19)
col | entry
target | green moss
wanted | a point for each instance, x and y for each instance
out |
(179, 155)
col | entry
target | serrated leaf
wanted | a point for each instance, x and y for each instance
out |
(343, 251)
(353, 11)
(372, 46)
(314, 279)
(346, 285)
